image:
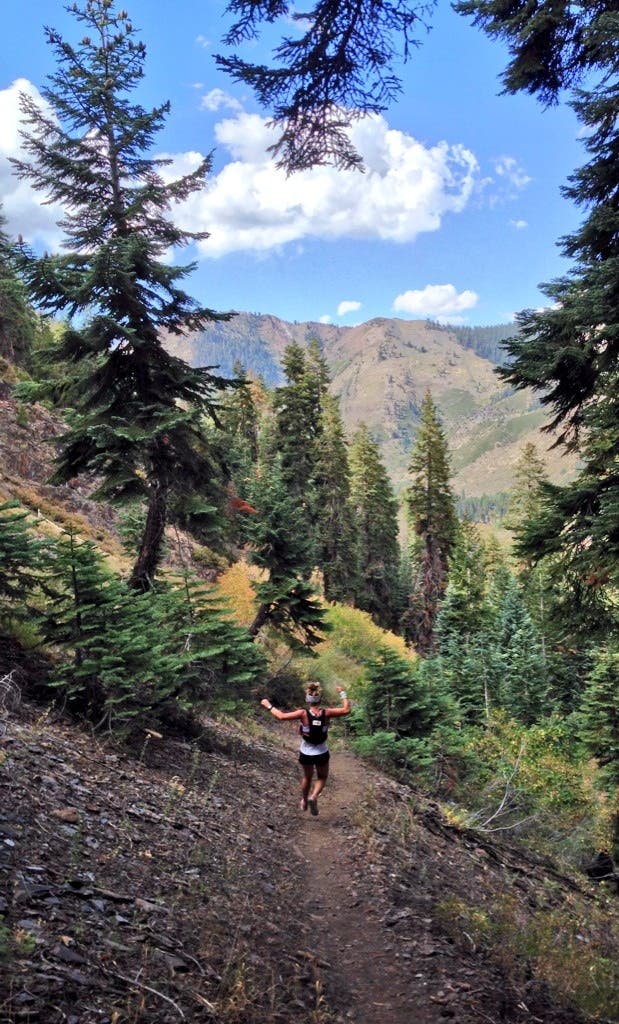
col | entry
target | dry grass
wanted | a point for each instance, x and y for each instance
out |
(235, 584)
(573, 949)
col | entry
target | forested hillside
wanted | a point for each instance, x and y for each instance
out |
(186, 551)
(380, 371)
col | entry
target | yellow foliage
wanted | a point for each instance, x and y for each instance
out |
(235, 584)
(353, 640)
(355, 633)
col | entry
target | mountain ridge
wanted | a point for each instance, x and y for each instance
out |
(380, 371)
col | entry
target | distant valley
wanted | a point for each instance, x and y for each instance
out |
(381, 370)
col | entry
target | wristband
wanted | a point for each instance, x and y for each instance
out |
(343, 695)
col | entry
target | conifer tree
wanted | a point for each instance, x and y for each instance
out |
(337, 539)
(525, 499)
(523, 683)
(342, 63)
(432, 515)
(598, 718)
(128, 655)
(114, 650)
(376, 511)
(18, 323)
(467, 584)
(280, 545)
(141, 410)
(239, 417)
(569, 352)
(22, 558)
(297, 411)
(396, 699)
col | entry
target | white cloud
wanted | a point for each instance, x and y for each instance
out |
(509, 170)
(348, 307)
(251, 204)
(23, 207)
(203, 42)
(520, 225)
(326, 319)
(217, 98)
(439, 300)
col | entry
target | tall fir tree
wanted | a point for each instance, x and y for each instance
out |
(337, 537)
(281, 547)
(598, 718)
(432, 515)
(298, 417)
(523, 687)
(376, 517)
(525, 498)
(23, 560)
(569, 351)
(141, 409)
(18, 322)
(466, 661)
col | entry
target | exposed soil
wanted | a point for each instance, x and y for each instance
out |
(183, 882)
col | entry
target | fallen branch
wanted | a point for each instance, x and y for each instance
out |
(144, 988)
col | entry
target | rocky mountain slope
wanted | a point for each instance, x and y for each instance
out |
(381, 371)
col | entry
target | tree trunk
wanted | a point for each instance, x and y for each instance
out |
(149, 555)
(262, 616)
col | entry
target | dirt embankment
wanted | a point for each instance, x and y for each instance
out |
(185, 884)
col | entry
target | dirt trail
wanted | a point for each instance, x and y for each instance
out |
(374, 973)
(187, 884)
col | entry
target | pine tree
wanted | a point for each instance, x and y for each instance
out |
(114, 652)
(240, 430)
(343, 63)
(467, 584)
(467, 662)
(376, 512)
(129, 655)
(529, 474)
(523, 685)
(280, 545)
(298, 414)
(239, 418)
(432, 514)
(18, 323)
(297, 410)
(598, 718)
(141, 409)
(337, 539)
(220, 663)
(396, 699)
(569, 352)
(22, 557)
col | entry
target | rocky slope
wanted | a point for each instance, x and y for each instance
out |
(180, 882)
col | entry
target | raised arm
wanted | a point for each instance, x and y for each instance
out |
(344, 710)
(282, 716)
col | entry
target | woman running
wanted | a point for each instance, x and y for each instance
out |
(314, 752)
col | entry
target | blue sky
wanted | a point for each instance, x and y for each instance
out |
(457, 216)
